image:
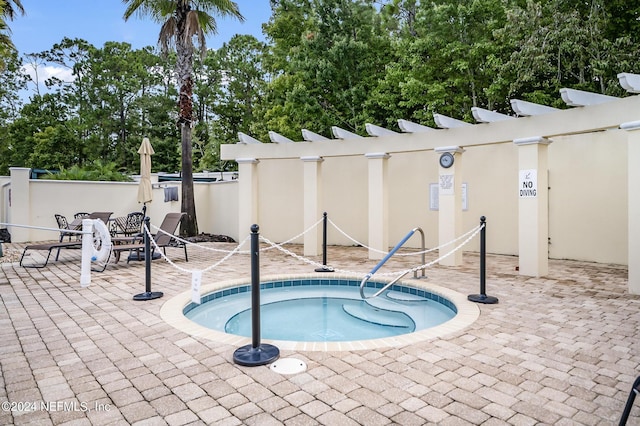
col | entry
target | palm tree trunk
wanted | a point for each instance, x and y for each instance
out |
(189, 225)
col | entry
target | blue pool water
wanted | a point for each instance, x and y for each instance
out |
(322, 310)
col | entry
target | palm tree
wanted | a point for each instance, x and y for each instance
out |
(8, 11)
(184, 26)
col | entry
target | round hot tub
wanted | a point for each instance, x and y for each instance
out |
(312, 312)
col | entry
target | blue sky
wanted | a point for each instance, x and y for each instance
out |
(97, 21)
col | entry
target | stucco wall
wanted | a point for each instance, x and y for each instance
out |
(587, 168)
(588, 212)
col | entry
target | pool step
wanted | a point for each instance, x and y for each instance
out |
(397, 296)
(379, 316)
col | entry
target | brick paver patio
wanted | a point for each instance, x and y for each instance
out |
(556, 350)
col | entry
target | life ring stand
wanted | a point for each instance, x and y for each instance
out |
(101, 247)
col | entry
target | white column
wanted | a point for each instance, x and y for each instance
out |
(633, 210)
(312, 204)
(247, 196)
(533, 206)
(449, 202)
(378, 204)
(20, 204)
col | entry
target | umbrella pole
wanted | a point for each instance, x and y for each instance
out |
(148, 294)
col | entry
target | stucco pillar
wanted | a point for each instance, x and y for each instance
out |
(247, 195)
(449, 202)
(20, 204)
(533, 206)
(633, 210)
(378, 204)
(312, 204)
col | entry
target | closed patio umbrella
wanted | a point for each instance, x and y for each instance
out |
(145, 194)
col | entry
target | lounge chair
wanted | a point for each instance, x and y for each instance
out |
(49, 247)
(163, 238)
(103, 216)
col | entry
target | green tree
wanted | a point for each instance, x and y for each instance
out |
(12, 81)
(182, 22)
(41, 137)
(560, 44)
(238, 65)
(325, 60)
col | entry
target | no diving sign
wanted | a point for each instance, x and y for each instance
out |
(528, 185)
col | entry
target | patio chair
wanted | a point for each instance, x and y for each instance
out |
(81, 215)
(163, 238)
(130, 225)
(49, 247)
(63, 224)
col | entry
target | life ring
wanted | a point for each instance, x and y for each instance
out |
(101, 247)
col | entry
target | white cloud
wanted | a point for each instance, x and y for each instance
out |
(47, 71)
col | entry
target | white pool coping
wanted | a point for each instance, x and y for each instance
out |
(468, 313)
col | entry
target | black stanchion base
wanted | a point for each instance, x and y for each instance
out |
(324, 269)
(251, 357)
(141, 256)
(482, 298)
(148, 295)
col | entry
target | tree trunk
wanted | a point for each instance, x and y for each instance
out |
(189, 224)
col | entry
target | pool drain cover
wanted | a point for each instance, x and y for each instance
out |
(288, 366)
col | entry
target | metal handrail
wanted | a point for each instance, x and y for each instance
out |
(387, 257)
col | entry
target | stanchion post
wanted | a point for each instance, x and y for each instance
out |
(482, 297)
(148, 294)
(324, 267)
(256, 353)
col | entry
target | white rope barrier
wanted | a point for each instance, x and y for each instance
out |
(471, 234)
(297, 236)
(42, 228)
(183, 241)
(413, 253)
(354, 240)
(192, 271)
(196, 274)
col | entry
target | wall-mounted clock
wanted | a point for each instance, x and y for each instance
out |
(446, 160)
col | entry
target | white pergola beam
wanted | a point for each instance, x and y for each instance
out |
(445, 122)
(575, 98)
(278, 138)
(246, 139)
(374, 130)
(524, 108)
(629, 82)
(309, 136)
(411, 127)
(486, 116)
(343, 134)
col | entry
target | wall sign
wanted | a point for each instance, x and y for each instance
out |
(528, 183)
(446, 184)
(434, 194)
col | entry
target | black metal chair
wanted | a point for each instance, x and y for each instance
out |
(133, 224)
(63, 224)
